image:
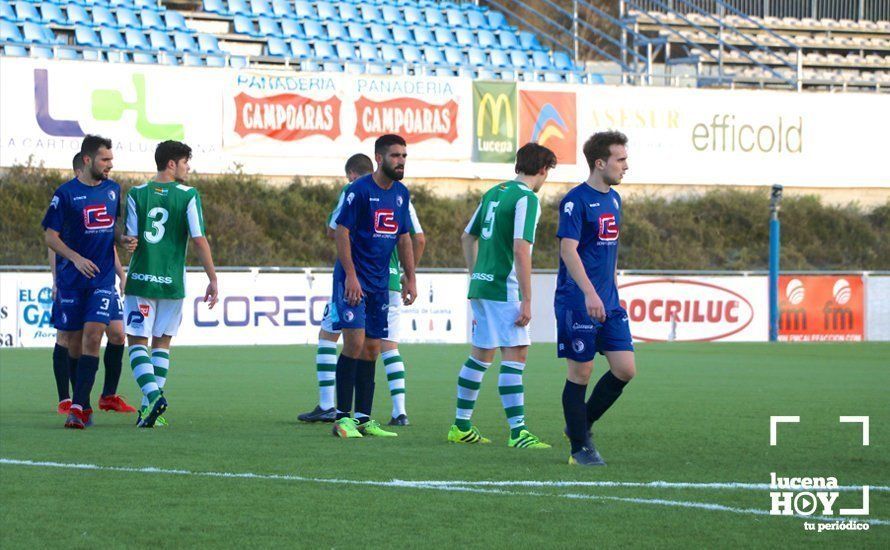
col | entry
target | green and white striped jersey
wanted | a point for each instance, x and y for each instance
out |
(163, 216)
(508, 211)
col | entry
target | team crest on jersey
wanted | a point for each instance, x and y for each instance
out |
(144, 309)
(96, 216)
(399, 200)
(54, 203)
(615, 202)
(608, 228)
(112, 195)
(385, 221)
(569, 206)
(349, 198)
(578, 345)
(349, 316)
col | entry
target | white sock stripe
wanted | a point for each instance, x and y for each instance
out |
(325, 359)
(464, 414)
(510, 380)
(471, 374)
(140, 370)
(398, 384)
(326, 375)
(480, 363)
(395, 367)
(162, 362)
(390, 353)
(138, 351)
(327, 344)
(513, 365)
(469, 395)
(516, 421)
(513, 400)
(326, 397)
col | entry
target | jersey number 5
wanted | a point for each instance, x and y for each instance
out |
(488, 222)
(158, 217)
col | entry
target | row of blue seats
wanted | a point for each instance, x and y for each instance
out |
(329, 11)
(132, 4)
(389, 53)
(376, 32)
(67, 53)
(100, 16)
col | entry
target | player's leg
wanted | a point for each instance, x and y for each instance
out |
(325, 371)
(512, 392)
(60, 370)
(393, 363)
(87, 365)
(350, 320)
(376, 328)
(139, 316)
(113, 361)
(469, 380)
(160, 362)
(614, 341)
(168, 318)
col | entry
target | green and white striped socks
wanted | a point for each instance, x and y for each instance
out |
(143, 372)
(326, 371)
(468, 383)
(395, 376)
(512, 394)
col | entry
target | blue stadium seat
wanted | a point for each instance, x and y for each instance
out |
(269, 27)
(390, 53)
(304, 10)
(324, 50)
(411, 54)
(497, 21)
(14, 51)
(208, 43)
(239, 7)
(111, 38)
(300, 49)
(331, 67)
(529, 41)
(277, 47)
(552, 77)
(345, 50)
(127, 19)
(541, 61)
(41, 52)
(160, 40)
(433, 55)
(313, 29)
(443, 71)
(175, 21)
(487, 39)
(476, 57)
(283, 8)
(371, 14)
(7, 13)
(260, 7)
(390, 14)
(215, 61)
(151, 20)
(402, 35)
(185, 42)
(67, 53)
(456, 18)
(375, 69)
(422, 36)
(238, 62)
(150, 4)
(508, 40)
(434, 17)
(192, 60)
(326, 11)
(85, 36)
(499, 58)
(476, 20)
(144, 58)
(357, 32)
(352, 67)
(93, 55)
(413, 16)
(77, 15)
(563, 62)
(464, 37)
(213, 6)
(466, 72)
(379, 33)
(336, 31)
(242, 24)
(292, 28)
(453, 56)
(102, 17)
(594, 78)
(519, 59)
(26, 11)
(443, 36)
(136, 40)
(367, 52)
(348, 12)
(38, 33)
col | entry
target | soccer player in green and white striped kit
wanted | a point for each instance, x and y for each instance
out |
(163, 214)
(497, 245)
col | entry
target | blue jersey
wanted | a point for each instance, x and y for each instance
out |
(85, 217)
(593, 219)
(375, 219)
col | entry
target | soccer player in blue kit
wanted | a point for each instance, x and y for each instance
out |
(373, 221)
(80, 226)
(589, 225)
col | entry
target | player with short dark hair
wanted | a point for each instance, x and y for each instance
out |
(373, 221)
(80, 226)
(497, 245)
(589, 225)
(164, 214)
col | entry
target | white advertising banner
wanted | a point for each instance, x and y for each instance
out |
(9, 309)
(439, 314)
(696, 309)
(32, 308)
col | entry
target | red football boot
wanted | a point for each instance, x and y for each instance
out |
(77, 419)
(64, 407)
(115, 403)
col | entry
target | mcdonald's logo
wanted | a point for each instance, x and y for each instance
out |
(495, 110)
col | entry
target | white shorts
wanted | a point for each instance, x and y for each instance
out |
(494, 325)
(394, 316)
(151, 317)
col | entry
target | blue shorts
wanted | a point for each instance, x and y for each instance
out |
(579, 337)
(371, 314)
(73, 308)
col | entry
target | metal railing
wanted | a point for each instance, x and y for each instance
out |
(857, 10)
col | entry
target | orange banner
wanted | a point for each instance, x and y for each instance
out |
(414, 119)
(548, 118)
(821, 308)
(287, 117)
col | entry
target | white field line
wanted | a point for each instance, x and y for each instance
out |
(622, 484)
(451, 486)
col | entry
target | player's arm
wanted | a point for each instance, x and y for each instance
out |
(119, 269)
(86, 267)
(52, 268)
(331, 228)
(469, 239)
(418, 240)
(406, 257)
(195, 218)
(522, 255)
(568, 251)
(344, 254)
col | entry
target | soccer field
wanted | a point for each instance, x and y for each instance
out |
(687, 447)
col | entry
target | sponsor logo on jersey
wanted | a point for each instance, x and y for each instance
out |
(149, 278)
(483, 277)
(95, 216)
(569, 206)
(54, 203)
(615, 202)
(399, 200)
(580, 326)
(349, 198)
(594, 204)
(135, 318)
(385, 221)
(112, 195)
(608, 229)
(162, 191)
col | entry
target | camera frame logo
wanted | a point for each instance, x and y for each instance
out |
(817, 497)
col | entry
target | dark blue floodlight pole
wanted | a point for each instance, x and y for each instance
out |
(774, 227)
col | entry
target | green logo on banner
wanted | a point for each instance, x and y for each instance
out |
(495, 118)
(110, 105)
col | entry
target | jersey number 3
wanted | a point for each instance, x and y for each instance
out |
(158, 217)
